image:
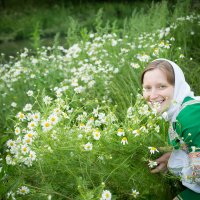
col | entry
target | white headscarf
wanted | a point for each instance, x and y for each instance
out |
(181, 90)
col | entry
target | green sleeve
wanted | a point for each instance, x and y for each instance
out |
(188, 126)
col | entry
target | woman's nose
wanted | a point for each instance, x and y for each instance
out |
(153, 95)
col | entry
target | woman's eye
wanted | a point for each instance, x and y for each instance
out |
(162, 87)
(146, 89)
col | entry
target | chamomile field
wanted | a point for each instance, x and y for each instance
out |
(73, 122)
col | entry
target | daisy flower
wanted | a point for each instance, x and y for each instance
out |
(21, 116)
(23, 190)
(120, 132)
(96, 134)
(32, 125)
(136, 132)
(106, 195)
(135, 65)
(9, 160)
(59, 92)
(152, 164)
(144, 129)
(102, 117)
(27, 161)
(36, 116)
(95, 111)
(46, 125)
(135, 193)
(91, 120)
(53, 119)
(153, 150)
(47, 100)
(14, 105)
(27, 107)
(81, 125)
(30, 93)
(32, 155)
(74, 82)
(156, 51)
(57, 111)
(27, 140)
(25, 149)
(79, 89)
(17, 131)
(155, 107)
(91, 83)
(144, 110)
(97, 123)
(124, 140)
(34, 61)
(11, 194)
(30, 134)
(88, 146)
(10, 143)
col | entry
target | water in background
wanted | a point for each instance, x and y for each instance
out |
(10, 48)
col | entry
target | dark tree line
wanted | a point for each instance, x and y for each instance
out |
(5, 4)
(23, 3)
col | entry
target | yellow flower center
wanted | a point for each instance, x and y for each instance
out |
(47, 124)
(28, 141)
(53, 119)
(82, 125)
(24, 149)
(107, 195)
(30, 135)
(21, 115)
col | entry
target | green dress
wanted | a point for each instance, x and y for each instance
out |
(185, 134)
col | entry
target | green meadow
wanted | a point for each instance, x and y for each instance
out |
(73, 122)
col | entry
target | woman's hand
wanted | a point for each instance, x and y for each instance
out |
(162, 163)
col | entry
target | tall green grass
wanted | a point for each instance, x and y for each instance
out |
(112, 53)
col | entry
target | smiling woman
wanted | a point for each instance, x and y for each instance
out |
(164, 84)
(158, 84)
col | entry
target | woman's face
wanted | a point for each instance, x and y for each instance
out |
(157, 90)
